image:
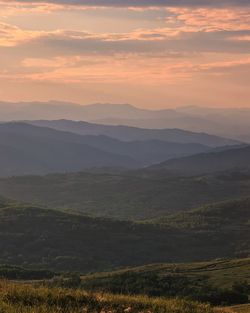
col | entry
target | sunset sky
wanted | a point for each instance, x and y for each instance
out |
(150, 53)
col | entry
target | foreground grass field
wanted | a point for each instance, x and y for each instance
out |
(19, 298)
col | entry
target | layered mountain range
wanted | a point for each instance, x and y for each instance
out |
(226, 122)
(88, 196)
(42, 147)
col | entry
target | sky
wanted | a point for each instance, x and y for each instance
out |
(149, 53)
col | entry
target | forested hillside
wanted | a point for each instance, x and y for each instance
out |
(217, 282)
(128, 195)
(227, 160)
(42, 238)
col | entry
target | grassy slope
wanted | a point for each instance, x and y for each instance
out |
(42, 238)
(26, 299)
(125, 196)
(220, 273)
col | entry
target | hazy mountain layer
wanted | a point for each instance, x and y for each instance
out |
(230, 159)
(28, 149)
(134, 134)
(64, 110)
(225, 122)
(147, 151)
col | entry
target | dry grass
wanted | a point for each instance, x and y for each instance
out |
(17, 298)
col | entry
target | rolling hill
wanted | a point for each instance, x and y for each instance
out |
(219, 273)
(46, 239)
(230, 159)
(127, 195)
(218, 281)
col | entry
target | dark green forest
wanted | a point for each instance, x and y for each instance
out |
(136, 195)
(47, 239)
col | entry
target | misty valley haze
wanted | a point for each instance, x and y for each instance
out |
(78, 196)
(130, 191)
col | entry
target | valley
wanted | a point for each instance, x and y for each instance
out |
(124, 156)
(121, 218)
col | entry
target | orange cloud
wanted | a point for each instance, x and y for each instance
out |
(223, 68)
(15, 8)
(119, 69)
(240, 38)
(10, 35)
(103, 69)
(210, 19)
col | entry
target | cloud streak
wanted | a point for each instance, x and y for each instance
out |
(140, 3)
(75, 49)
(145, 42)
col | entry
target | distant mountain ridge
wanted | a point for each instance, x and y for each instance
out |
(145, 151)
(126, 133)
(27, 149)
(225, 122)
(64, 110)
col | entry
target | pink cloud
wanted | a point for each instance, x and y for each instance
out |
(209, 19)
